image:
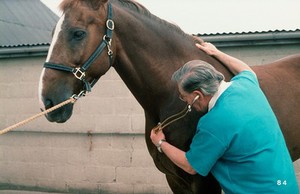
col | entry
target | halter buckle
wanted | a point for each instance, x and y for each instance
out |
(78, 73)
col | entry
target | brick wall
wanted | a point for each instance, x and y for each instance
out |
(69, 161)
(101, 148)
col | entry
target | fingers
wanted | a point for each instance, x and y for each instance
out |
(156, 132)
(207, 47)
(156, 136)
(202, 46)
(153, 133)
(198, 39)
(199, 45)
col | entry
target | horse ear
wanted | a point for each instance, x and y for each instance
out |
(95, 4)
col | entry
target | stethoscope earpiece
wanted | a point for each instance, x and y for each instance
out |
(196, 98)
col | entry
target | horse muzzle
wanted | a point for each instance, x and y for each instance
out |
(59, 115)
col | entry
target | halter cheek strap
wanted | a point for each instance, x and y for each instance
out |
(79, 72)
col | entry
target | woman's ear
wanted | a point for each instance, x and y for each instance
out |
(199, 93)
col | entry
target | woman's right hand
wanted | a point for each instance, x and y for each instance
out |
(208, 48)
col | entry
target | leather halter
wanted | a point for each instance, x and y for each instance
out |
(79, 72)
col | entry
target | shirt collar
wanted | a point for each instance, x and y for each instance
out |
(223, 86)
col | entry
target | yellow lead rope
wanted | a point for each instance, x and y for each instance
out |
(159, 127)
(70, 100)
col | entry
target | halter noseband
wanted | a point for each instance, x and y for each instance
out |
(79, 72)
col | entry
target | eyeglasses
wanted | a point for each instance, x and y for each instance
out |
(181, 97)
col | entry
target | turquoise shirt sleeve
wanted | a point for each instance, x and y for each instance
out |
(246, 74)
(205, 150)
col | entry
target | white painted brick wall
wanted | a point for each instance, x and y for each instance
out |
(62, 156)
(97, 162)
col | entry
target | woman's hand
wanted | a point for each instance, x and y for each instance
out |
(234, 65)
(208, 48)
(156, 137)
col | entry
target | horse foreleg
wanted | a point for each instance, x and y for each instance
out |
(178, 185)
(196, 185)
(206, 184)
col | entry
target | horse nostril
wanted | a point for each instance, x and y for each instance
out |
(48, 104)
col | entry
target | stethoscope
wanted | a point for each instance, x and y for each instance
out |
(190, 105)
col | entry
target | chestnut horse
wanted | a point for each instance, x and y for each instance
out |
(145, 51)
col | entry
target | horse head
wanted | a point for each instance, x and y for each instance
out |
(81, 51)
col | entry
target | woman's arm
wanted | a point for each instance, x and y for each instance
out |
(176, 155)
(234, 65)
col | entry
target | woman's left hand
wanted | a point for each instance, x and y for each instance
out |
(156, 137)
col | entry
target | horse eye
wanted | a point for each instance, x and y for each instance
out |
(79, 34)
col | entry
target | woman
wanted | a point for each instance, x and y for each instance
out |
(238, 139)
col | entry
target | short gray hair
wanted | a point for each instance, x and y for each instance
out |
(198, 75)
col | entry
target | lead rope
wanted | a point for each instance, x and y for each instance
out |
(21, 123)
(73, 99)
(160, 126)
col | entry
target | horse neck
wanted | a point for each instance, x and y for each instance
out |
(148, 53)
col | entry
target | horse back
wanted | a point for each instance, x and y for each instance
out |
(279, 81)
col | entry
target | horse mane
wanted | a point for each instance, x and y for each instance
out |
(137, 7)
(65, 4)
(131, 5)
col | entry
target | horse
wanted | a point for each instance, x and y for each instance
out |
(93, 36)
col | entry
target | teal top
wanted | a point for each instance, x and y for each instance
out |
(239, 140)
